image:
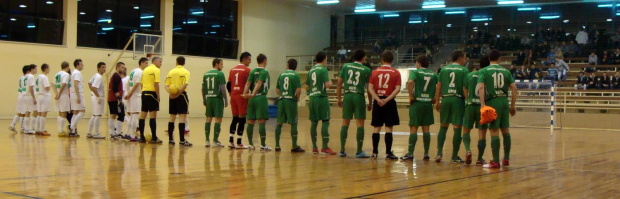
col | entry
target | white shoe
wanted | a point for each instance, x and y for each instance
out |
(30, 132)
(265, 148)
(231, 145)
(97, 136)
(208, 144)
(218, 144)
(12, 129)
(89, 135)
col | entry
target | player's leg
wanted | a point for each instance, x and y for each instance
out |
(209, 114)
(482, 144)
(426, 111)
(376, 136)
(360, 116)
(120, 119)
(347, 115)
(153, 108)
(218, 113)
(413, 138)
(426, 138)
(174, 110)
(243, 112)
(281, 119)
(235, 120)
(43, 118)
(494, 126)
(113, 110)
(91, 122)
(293, 119)
(377, 121)
(504, 127)
(313, 109)
(251, 117)
(468, 124)
(262, 114)
(444, 115)
(456, 114)
(390, 112)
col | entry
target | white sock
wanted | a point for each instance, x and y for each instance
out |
(15, 119)
(60, 121)
(76, 119)
(34, 123)
(91, 124)
(97, 121)
(129, 121)
(110, 126)
(25, 123)
(41, 123)
(186, 124)
(119, 127)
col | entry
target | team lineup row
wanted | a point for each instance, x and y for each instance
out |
(455, 92)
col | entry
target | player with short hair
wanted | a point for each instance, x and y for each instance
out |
(44, 100)
(353, 79)
(77, 97)
(63, 103)
(133, 97)
(30, 101)
(124, 108)
(316, 84)
(97, 94)
(472, 115)
(237, 78)
(452, 104)
(176, 83)
(214, 99)
(383, 86)
(115, 96)
(493, 84)
(256, 89)
(21, 110)
(421, 87)
(288, 88)
(150, 99)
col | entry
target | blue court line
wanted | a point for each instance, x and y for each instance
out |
(20, 195)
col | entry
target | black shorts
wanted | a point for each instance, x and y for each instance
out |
(386, 115)
(179, 105)
(149, 101)
(114, 108)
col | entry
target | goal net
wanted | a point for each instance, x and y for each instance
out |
(536, 105)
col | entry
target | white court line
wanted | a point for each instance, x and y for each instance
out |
(404, 133)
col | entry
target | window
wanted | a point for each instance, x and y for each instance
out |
(209, 26)
(110, 23)
(37, 21)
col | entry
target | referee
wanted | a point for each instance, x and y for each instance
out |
(176, 82)
(150, 99)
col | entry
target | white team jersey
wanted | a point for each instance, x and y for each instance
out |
(76, 75)
(60, 78)
(134, 79)
(125, 81)
(20, 88)
(97, 82)
(42, 83)
(29, 81)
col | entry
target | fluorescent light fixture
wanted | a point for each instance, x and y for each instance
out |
(529, 22)
(391, 15)
(609, 20)
(23, 6)
(104, 20)
(190, 22)
(136, 8)
(108, 10)
(176, 29)
(147, 17)
(212, 32)
(365, 10)
(550, 17)
(482, 19)
(215, 26)
(433, 6)
(605, 5)
(509, 2)
(508, 29)
(82, 13)
(108, 28)
(198, 12)
(529, 9)
(454, 12)
(532, 35)
(418, 21)
(567, 34)
(486, 24)
(145, 25)
(475, 28)
(618, 14)
(323, 2)
(13, 19)
(449, 25)
(49, 2)
(566, 20)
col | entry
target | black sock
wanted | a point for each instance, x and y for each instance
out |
(153, 125)
(375, 142)
(171, 131)
(181, 129)
(388, 142)
(233, 128)
(141, 128)
(240, 130)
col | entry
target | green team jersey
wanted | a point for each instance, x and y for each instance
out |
(425, 81)
(19, 88)
(259, 74)
(496, 81)
(288, 83)
(316, 81)
(472, 92)
(355, 77)
(211, 82)
(452, 78)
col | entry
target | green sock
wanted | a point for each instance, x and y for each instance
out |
(250, 131)
(426, 136)
(441, 138)
(413, 138)
(278, 132)
(495, 148)
(456, 142)
(263, 134)
(216, 134)
(507, 143)
(207, 130)
(467, 141)
(343, 137)
(294, 135)
(481, 145)
(313, 133)
(360, 139)
(325, 133)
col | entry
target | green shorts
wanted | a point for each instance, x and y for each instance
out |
(319, 109)
(502, 109)
(353, 104)
(287, 111)
(452, 110)
(472, 116)
(258, 108)
(215, 107)
(421, 114)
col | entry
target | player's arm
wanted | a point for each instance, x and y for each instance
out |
(394, 93)
(93, 89)
(55, 92)
(481, 94)
(437, 96)
(47, 86)
(298, 93)
(369, 106)
(202, 90)
(257, 87)
(76, 83)
(339, 91)
(116, 80)
(246, 89)
(223, 90)
(410, 87)
(372, 94)
(62, 88)
(513, 89)
(184, 86)
(133, 89)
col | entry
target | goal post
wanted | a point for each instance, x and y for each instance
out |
(536, 105)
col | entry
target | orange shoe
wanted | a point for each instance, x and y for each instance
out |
(328, 151)
(44, 133)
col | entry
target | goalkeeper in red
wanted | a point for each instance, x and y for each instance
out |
(493, 84)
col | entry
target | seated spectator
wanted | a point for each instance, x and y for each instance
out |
(377, 46)
(591, 81)
(606, 60)
(513, 71)
(559, 54)
(615, 81)
(563, 69)
(342, 53)
(522, 73)
(534, 73)
(550, 57)
(520, 58)
(475, 52)
(485, 50)
(529, 58)
(573, 49)
(581, 81)
(616, 57)
(604, 82)
(565, 49)
(593, 59)
(552, 73)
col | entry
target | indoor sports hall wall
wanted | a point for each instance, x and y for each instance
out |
(274, 28)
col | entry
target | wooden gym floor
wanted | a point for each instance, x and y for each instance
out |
(565, 164)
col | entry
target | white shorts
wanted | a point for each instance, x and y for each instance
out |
(20, 104)
(97, 108)
(43, 103)
(29, 104)
(74, 105)
(63, 104)
(135, 104)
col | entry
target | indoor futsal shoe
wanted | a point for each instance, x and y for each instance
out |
(241, 146)
(251, 147)
(171, 142)
(218, 144)
(407, 157)
(342, 154)
(208, 144)
(505, 163)
(134, 139)
(426, 157)
(457, 160)
(374, 156)
(45, 133)
(12, 129)
(278, 149)
(63, 134)
(315, 151)
(88, 135)
(329, 151)
(97, 136)
(231, 145)
(185, 143)
(468, 158)
(492, 165)
(438, 159)
(298, 149)
(480, 162)
(361, 155)
(265, 148)
(156, 141)
(391, 156)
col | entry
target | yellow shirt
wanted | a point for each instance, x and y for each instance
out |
(178, 77)
(150, 76)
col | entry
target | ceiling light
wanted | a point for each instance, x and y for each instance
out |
(13, 19)
(486, 24)
(609, 20)
(550, 17)
(391, 15)
(454, 12)
(566, 20)
(147, 17)
(136, 8)
(509, 2)
(529, 22)
(23, 6)
(433, 6)
(215, 26)
(108, 10)
(605, 5)
(529, 9)
(418, 21)
(145, 25)
(365, 10)
(49, 2)
(449, 25)
(482, 19)
(108, 28)
(82, 13)
(323, 2)
(198, 12)
(31, 26)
